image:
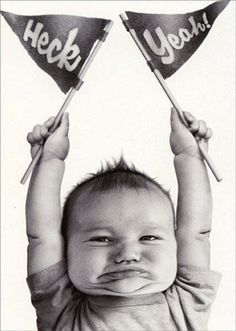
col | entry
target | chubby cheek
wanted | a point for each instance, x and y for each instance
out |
(163, 262)
(86, 263)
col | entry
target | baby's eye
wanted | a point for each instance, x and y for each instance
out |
(149, 238)
(101, 239)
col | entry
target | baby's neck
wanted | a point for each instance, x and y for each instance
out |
(119, 301)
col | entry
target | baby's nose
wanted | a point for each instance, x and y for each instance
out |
(128, 253)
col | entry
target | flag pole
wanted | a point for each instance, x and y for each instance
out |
(68, 99)
(169, 94)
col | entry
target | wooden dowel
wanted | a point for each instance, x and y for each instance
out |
(52, 129)
(94, 51)
(70, 95)
(209, 161)
(172, 99)
(174, 102)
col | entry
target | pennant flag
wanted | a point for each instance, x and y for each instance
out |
(59, 44)
(170, 40)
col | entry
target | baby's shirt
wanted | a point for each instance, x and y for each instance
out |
(183, 306)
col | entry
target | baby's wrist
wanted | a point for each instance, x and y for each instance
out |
(48, 157)
(187, 156)
(53, 155)
(189, 152)
(50, 169)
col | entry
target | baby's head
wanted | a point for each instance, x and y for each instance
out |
(120, 232)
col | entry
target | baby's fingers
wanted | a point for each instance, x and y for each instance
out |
(195, 126)
(35, 137)
(202, 130)
(198, 127)
(64, 125)
(208, 134)
(30, 138)
(40, 132)
(192, 122)
(49, 123)
(189, 117)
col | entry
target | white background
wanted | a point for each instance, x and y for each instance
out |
(120, 109)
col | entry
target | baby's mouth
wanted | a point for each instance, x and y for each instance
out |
(122, 274)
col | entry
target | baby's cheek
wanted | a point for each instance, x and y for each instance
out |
(94, 260)
(155, 253)
(162, 257)
(85, 267)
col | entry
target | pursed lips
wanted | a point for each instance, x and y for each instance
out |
(123, 273)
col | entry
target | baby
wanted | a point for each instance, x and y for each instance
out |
(117, 258)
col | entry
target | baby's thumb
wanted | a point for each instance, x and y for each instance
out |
(175, 121)
(64, 125)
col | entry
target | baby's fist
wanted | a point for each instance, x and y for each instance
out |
(182, 139)
(56, 143)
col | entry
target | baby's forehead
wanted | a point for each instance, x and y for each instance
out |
(140, 206)
(92, 197)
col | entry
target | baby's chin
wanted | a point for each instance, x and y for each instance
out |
(128, 287)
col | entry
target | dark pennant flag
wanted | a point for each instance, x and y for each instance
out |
(59, 44)
(170, 40)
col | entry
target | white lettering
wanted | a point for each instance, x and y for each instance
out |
(43, 41)
(195, 30)
(70, 52)
(173, 41)
(164, 47)
(43, 45)
(32, 34)
(55, 44)
(205, 19)
(185, 35)
(201, 26)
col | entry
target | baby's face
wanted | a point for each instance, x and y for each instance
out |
(122, 243)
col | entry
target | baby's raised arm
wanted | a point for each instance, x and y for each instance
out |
(43, 207)
(194, 193)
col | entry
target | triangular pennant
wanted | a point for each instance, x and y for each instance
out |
(170, 40)
(59, 44)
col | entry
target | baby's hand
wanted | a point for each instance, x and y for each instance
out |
(56, 143)
(183, 140)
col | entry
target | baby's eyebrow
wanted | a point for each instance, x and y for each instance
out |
(158, 228)
(98, 228)
(111, 229)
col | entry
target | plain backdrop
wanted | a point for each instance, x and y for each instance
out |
(120, 109)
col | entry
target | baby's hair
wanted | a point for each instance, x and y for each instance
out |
(114, 176)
